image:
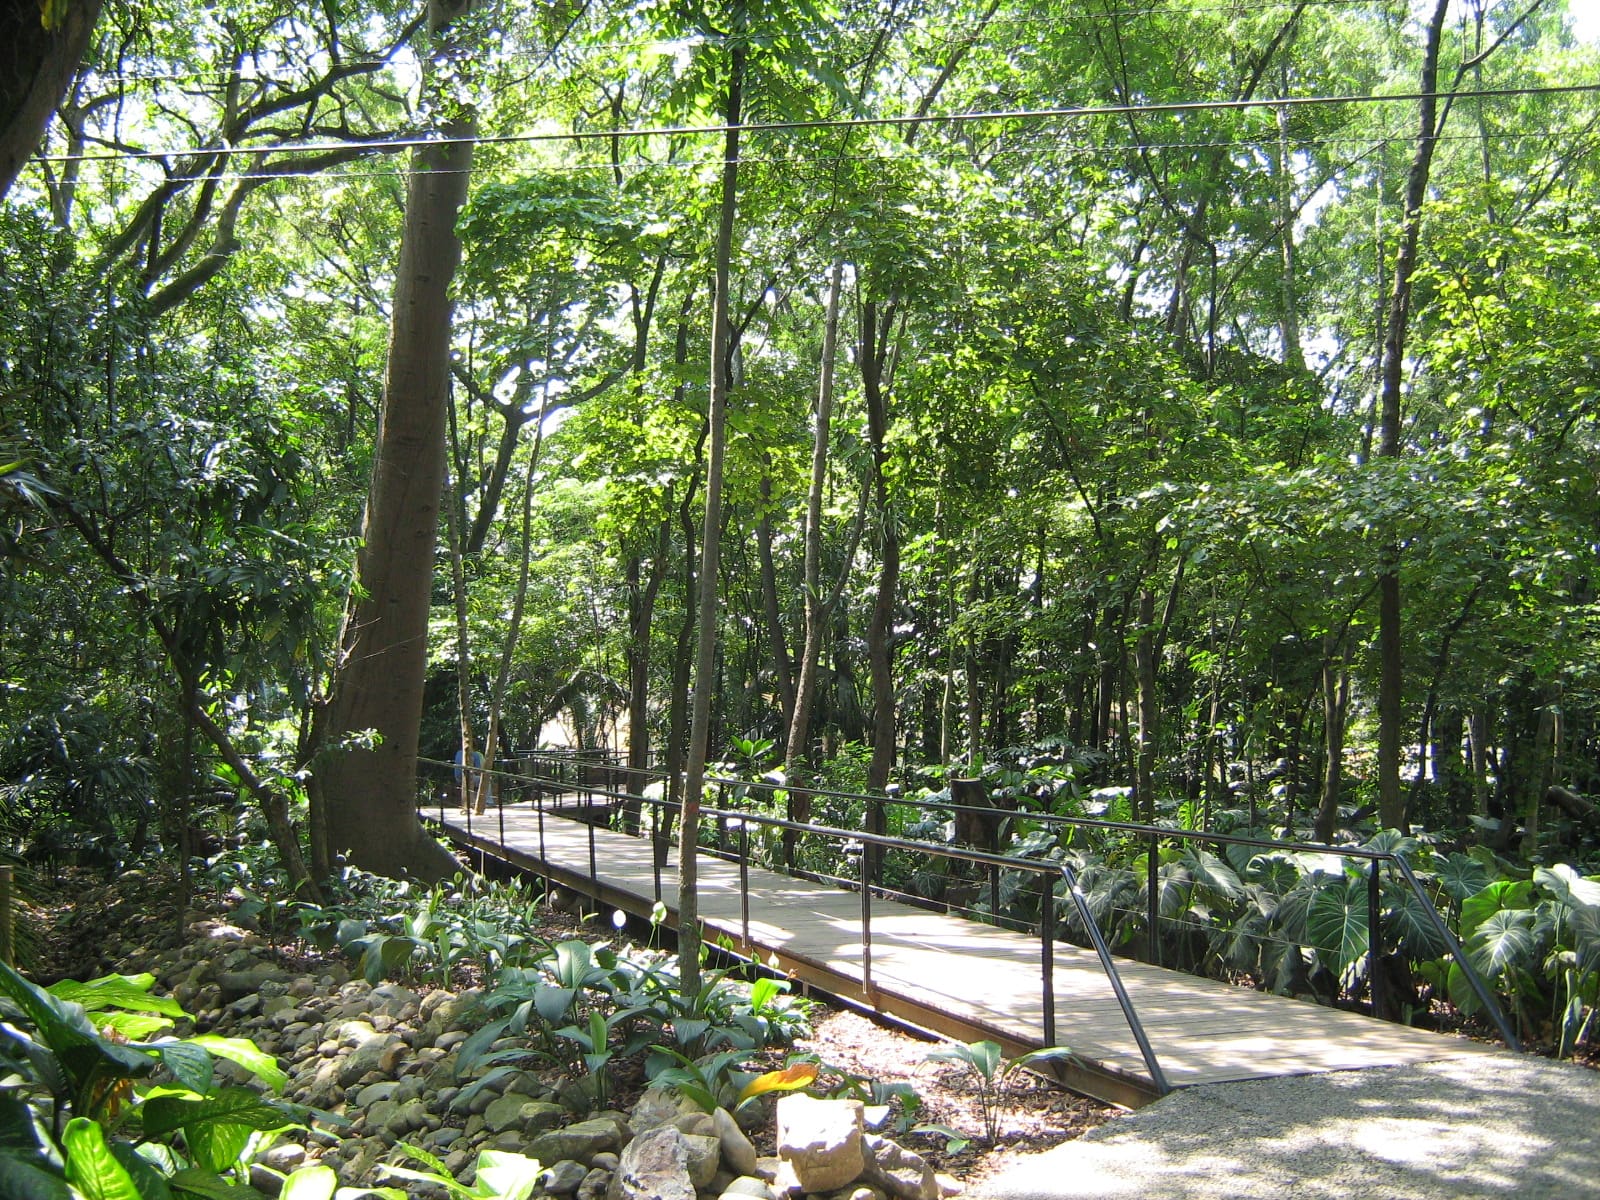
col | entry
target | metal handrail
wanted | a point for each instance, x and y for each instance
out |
(743, 820)
(1154, 833)
(1157, 832)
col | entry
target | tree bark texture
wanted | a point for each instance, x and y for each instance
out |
(1391, 668)
(372, 814)
(36, 65)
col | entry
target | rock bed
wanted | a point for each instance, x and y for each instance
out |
(383, 1058)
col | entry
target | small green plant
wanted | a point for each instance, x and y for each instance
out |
(500, 1175)
(719, 1080)
(993, 1072)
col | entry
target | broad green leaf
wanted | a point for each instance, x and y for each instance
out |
(1462, 877)
(200, 1184)
(314, 1182)
(244, 1053)
(91, 1167)
(151, 1183)
(983, 1057)
(1499, 895)
(131, 992)
(504, 1175)
(135, 1027)
(1336, 922)
(190, 1065)
(1566, 885)
(1211, 873)
(1414, 924)
(215, 1128)
(1584, 928)
(1504, 939)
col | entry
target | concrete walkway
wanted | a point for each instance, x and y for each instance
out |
(1498, 1125)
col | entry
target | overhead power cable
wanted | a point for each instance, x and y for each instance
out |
(1073, 150)
(1077, 112)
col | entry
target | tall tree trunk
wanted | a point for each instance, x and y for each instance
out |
(772, 608)
(1335, 704)
(378, 684)
(1391, 668)
(874, 359)
(1144, 792)
(796, 749)
(711, 533)
(487, 783)
(458, 591)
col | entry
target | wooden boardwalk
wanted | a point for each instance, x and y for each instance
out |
(967, 980)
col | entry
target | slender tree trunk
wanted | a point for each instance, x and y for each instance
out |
(772, 608)
(711, 534)
(458, 591)
(378, 684)
(1335, 704)
(796, 750)
(487, 782)
(875, 335)
(1391, 668)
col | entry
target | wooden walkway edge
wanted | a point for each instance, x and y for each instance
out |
(967, 980)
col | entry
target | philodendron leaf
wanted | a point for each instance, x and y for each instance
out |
(196, 1183)
(1584, 928)
(1566, 885)
(1501, 895)
(1336, 921)
(1504, 939)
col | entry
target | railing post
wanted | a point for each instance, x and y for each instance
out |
(866, 928)
(500, 806)
(1153, 899)
(878, 823)
(1374, 934)
(1047, 955)
(588, 820)
(1146, 1051)
(657, 817)
(744, 881)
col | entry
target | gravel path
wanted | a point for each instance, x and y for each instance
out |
(1499, 1125)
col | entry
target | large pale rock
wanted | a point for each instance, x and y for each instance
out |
(820, 1142)
(749, 1185)
(737, 1152)
(660, 1105)
(899, 1172)
(516, 1111)
(581, 1141)
(654, 1166)
(382, 1053)
(705, 1157)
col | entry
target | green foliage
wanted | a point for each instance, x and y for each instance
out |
(992, 1071)
(74, 1090)
(499, 1175)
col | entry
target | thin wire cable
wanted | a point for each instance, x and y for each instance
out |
(1080, 112)
(1081, 150)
